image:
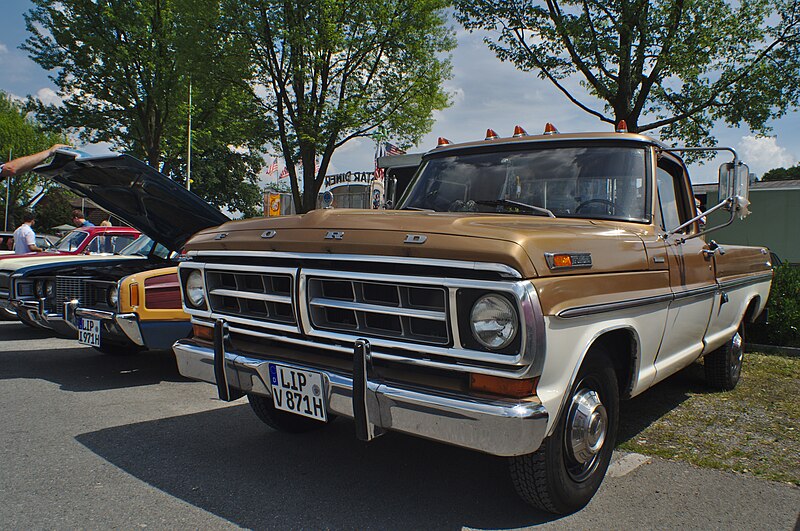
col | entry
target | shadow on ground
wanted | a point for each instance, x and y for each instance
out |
(16, 331)
(230, 464)
(639, 413)
(86, 369)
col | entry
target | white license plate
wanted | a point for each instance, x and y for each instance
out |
(89, 332)
(296, 391)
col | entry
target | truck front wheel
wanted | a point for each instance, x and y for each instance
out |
(568, 468)
(282, 420)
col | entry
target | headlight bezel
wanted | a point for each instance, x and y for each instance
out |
(467, 299)
(38, 288)
(194, 282)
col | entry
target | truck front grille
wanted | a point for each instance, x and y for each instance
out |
(261, 296)
(387, 310)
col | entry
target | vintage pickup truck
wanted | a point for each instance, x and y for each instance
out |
(519, 290)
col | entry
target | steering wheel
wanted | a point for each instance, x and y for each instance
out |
(610, 204)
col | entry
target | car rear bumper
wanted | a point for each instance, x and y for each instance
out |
(504, 427)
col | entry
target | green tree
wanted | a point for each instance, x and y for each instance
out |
(54, 209)
(782, 174)
(124, 68)
(19, 136)
(674, 65)
(329, 71)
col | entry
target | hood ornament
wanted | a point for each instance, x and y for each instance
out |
(334, 235)
(221, 235)
(269, 234)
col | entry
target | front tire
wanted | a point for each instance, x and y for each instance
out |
(282, 420)
(723, 367)
(565, 472)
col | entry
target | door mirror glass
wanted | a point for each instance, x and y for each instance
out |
(734, 182)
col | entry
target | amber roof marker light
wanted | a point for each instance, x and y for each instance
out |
(622, 127)
(491, 135)
(442, 142)
(550, 129)
(519, 131)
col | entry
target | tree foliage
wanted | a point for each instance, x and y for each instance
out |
(782, 174)
(20, 136)
(329, 71)
(124, 68)
(674, 65)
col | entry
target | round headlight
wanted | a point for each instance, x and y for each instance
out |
(195, 292)
(39, 287)
(49, 289)
(113, 296)
(493, 321)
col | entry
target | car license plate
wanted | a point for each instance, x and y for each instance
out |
(89, 332)
(299, 392)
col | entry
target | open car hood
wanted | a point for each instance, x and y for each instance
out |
(136, 193)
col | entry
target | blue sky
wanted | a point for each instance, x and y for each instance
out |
(485, 93)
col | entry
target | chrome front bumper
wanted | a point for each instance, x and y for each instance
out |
(495, 426)
(127, 322)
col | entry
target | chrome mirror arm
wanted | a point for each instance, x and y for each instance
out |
(728, 203)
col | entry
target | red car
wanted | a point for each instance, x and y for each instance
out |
(89, 240)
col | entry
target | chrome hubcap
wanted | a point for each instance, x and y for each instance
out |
(737, 355)
(586, 427)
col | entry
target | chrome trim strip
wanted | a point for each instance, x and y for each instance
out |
(281, 299)
(375, 308)
(583, 311)
(696, 292)
(406, 260)
(739, 282)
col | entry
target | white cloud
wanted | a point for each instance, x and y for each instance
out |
(3, 48)
(762, 153)
(48, 96)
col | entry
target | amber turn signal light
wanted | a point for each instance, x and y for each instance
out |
(203, 332)
(562, 260)
(503, 386)
(134, 294)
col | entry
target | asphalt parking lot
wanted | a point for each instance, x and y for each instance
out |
(94, 441)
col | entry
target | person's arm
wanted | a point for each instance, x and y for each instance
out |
(23, 164)
(31, 241)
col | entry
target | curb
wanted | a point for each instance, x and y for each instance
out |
(772, 349)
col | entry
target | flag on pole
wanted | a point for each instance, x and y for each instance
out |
(284, 174)
(391, 149)
(272, 167)
(316, 166)
(378, 154)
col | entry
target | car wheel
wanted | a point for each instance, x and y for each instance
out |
(282, 420)
(723, 366)
(114, 349)
(568, 468)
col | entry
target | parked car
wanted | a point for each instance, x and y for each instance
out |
(524, 286)
(43, 241)
(85, 240)
(145, 199)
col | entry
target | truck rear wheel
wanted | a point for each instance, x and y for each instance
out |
(282, 420)
(566, 471)
(723, 367)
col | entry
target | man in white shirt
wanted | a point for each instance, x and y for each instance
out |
(24, 237)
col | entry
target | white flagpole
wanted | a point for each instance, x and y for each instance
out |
(8, 190)
(189, 151)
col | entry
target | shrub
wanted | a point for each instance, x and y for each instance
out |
(783, 323)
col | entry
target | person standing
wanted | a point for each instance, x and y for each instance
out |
(79, 221)
(21, 165)
(24, 237)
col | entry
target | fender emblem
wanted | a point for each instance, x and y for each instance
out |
(221, 235)
(334, 235)
(268, 234)
(415, 238)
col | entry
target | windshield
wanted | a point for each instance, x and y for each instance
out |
(71, 242)
(143, 246)
(588, 182)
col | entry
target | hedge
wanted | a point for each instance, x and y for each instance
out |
(783, 321)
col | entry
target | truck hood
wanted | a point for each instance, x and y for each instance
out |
(519, 241)
(136, 193)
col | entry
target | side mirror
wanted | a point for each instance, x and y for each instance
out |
(734, 184)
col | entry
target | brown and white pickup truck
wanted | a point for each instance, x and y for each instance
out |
(521, 288)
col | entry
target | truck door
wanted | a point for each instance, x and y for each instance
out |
(691, 273)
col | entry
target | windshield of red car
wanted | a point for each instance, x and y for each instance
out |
(71, 242)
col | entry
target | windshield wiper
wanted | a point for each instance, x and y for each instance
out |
(419, 209)
(516, 204)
